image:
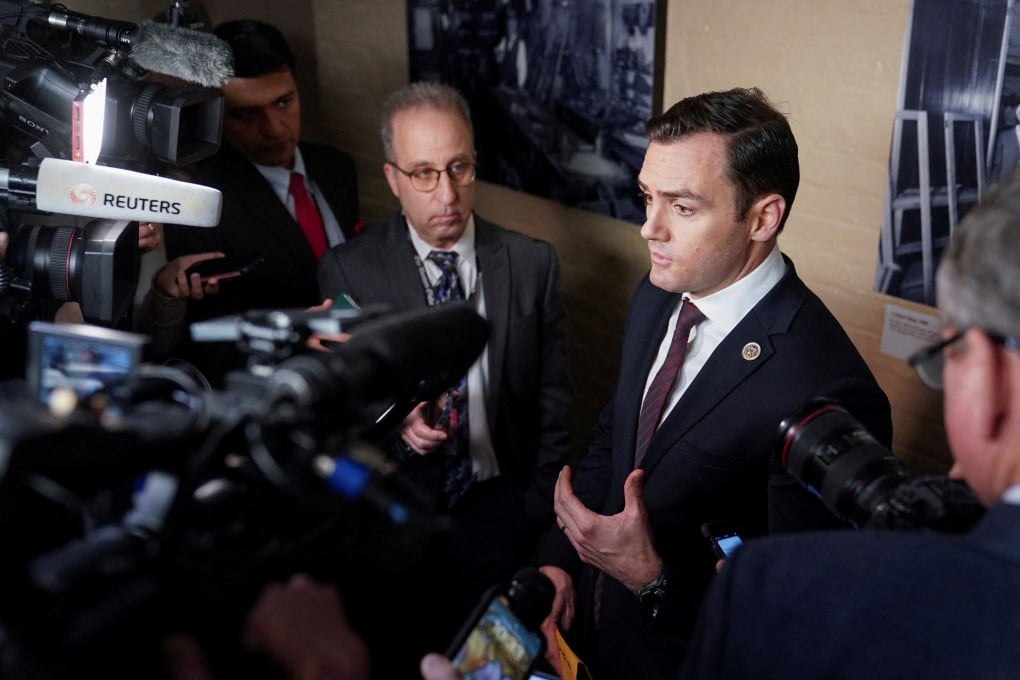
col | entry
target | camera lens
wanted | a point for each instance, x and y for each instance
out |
(95, 266)
(49, 258)
(827, 450)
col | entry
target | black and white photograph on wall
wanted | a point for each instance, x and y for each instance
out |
(955, 132)
(560, 90)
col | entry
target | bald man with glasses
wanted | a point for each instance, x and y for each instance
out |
(490, 449)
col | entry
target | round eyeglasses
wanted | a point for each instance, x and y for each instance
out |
(425, 179)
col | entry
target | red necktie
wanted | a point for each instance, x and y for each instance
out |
(662, 384)
(307, 215)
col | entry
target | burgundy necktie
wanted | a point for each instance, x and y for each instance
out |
(651, 410)
(665, 379)
(307, 215)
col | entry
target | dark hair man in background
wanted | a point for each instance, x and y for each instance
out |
(697, 444)
(875, 604)
(284, 199)
(489, 450)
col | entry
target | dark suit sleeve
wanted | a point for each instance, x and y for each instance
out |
(554, 397)
(707, 655)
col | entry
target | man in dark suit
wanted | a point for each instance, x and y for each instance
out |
(880, 604)
(497, 488)
(719, 178)
(255, 169)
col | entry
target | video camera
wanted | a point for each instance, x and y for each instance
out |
(832, 454)
(78, 92)
(159, 505)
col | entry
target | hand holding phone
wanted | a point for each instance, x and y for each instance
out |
(722, 537)
(227, 267)
(502, 638)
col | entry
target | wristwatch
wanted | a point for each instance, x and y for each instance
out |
(652, 595)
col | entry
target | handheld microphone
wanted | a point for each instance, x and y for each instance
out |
(194, 56)
(71, 188)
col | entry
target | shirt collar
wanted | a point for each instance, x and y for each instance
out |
(279, 176)
(1012, 495)
(465, 245)
(725, 308)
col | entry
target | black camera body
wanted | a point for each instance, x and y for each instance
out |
(832, 454)
(52, 63)
(160, 505)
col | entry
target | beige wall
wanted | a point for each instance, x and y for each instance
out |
(832, 66)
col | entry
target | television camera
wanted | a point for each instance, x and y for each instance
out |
(832, 454)
(78, 92)
(158, 505)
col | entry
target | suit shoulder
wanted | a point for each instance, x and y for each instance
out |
(372, 239)
(512, 239)
(324, 153)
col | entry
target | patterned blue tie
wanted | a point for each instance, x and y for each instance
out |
(457, 476)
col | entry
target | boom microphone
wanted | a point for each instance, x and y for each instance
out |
(390, 357)
(194, 56)
(71, 188)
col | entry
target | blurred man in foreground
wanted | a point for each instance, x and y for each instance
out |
(875, 604)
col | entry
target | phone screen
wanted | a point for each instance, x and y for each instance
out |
(727, 544)
(497, 645)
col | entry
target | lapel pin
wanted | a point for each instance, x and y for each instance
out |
(751, 351)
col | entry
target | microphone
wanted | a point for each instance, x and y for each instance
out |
(387, 358)
(71, 188)
(193, 56)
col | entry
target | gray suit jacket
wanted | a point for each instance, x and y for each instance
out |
(528, 401)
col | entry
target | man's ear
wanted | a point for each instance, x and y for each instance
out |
(392, 178)
(768, 213)
(989, 384)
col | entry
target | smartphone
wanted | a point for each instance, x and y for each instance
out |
(722, 537)
(494, 643)
(225, 267)
(344, 301)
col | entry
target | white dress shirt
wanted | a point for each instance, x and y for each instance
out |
(723, 310)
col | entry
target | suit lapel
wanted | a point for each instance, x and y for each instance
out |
(267, 214)
(406, 288)
(646, 330)
(494, 266)
(318, 166)
(727, 368)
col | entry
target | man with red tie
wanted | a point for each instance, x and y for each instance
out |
(283, 198)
